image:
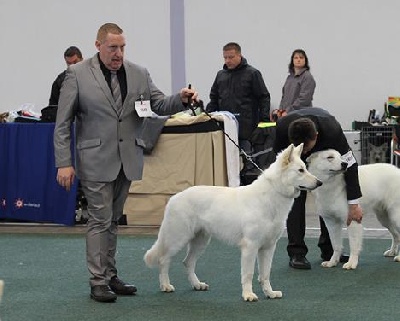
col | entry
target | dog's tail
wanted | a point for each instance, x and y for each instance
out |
(152, 256)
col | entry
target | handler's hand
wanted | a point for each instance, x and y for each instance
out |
(355, 213)
(187, 93)
(66, 176)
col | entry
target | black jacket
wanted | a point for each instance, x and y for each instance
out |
(330, 136)
(55, 88)
(242, 92)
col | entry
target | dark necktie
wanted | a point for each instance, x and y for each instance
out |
(116, 90)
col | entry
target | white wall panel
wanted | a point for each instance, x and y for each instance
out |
(36, 33)
(352, 47)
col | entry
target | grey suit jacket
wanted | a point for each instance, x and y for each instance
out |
(105, 141)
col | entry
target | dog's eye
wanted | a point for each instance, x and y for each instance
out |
(301, 170)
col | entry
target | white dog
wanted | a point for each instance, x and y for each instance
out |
(379, 184)
(252, 217)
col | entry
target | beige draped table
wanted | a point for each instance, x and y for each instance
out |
(178, 161)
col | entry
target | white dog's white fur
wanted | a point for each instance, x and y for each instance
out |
(379, 184)
(252, 217)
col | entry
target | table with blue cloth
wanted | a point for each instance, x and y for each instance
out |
(29, 191)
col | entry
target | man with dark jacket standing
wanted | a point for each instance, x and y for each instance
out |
(72, 55)
(318, 130)
(240, 89)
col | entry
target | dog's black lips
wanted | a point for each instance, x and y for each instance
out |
(304, 188)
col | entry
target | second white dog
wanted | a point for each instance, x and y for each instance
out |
(252, 217)
(379, 184)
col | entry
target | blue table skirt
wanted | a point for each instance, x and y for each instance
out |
(28, 187)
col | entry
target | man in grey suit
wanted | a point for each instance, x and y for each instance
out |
(105, 95)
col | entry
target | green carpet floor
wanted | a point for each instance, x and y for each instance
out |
(46, 279)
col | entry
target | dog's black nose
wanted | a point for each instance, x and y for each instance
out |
(319, 183)
(344, 165)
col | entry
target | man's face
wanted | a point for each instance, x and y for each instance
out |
(72, 60)
(309, 146)
(111, 51)
(232, 58)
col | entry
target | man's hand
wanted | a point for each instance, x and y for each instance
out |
(355, 213)
(66, 176)
(187, 94)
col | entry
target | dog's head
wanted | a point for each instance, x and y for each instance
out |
(325, 164)
(293, 170)
(377, 154)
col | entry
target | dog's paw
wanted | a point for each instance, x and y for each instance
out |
(389, 253)
(201, 286)
(396, 258)
(269, 293)
(350, 265)
(329, 264)
(274, 294)
(249, 296)
(167, 288)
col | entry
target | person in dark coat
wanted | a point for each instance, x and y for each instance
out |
(72, 55)
(240, 89)
(318, 130)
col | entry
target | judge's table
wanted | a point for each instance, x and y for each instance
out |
(190, 151)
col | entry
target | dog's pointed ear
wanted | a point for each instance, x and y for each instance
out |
(290, 152)
(299, 149)
(296, 151)
(286, 155)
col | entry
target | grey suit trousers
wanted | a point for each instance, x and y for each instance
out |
(105, 207)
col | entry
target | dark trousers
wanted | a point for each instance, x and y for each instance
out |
(296, 229)
(245, 174)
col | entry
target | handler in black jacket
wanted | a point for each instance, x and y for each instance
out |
(318, 130)
(240, 89)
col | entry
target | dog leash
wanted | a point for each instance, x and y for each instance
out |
(192, 105)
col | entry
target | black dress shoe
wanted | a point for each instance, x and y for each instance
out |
(120, 287)
(299, 262)
(102, 293)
